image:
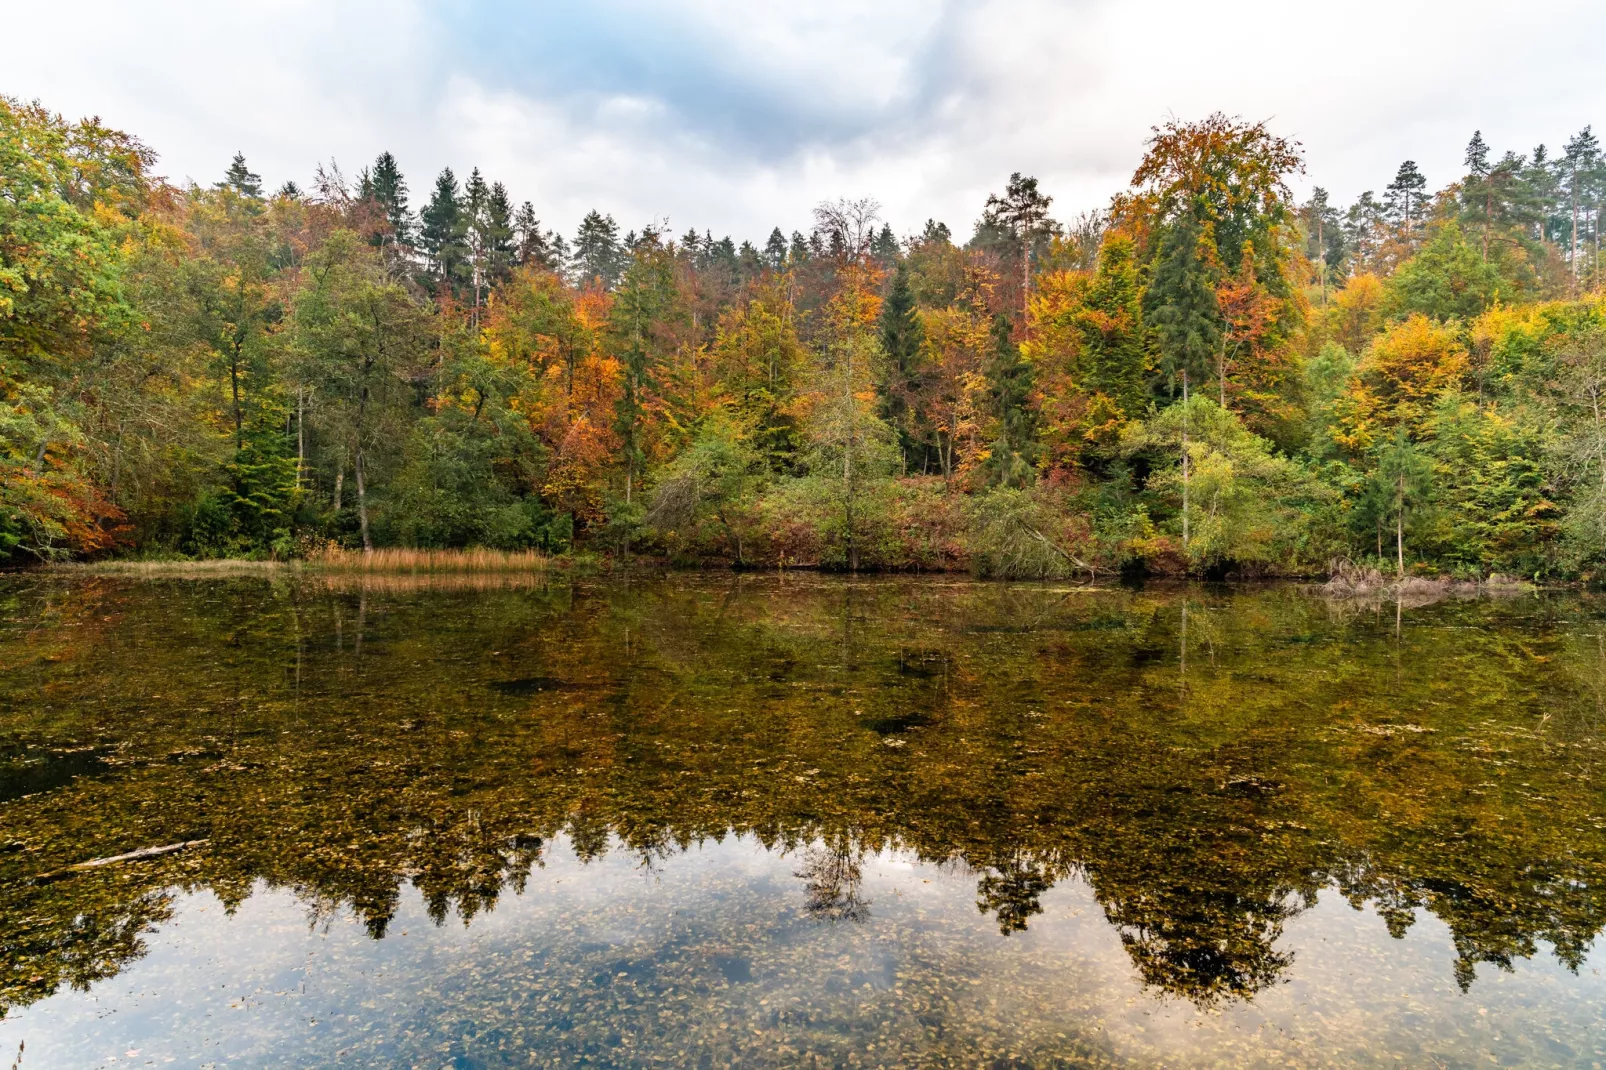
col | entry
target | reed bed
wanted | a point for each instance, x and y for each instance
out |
(177, 569)
(408, 582)
(430, 561)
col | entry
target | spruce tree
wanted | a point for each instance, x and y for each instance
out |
(901, 338)
(388, 189)
(885, 246)
(1009, 379)
(775, 250)
(597, 254)
(499, 233)
(1180, 303)
(441, 234)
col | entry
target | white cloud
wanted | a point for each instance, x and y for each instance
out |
(737, 116)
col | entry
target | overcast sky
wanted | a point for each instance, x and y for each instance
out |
(738, 115)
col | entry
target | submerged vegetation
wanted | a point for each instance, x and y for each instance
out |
(1164, 746)
(1206, 377)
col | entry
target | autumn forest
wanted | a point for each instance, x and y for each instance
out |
(1206, 375)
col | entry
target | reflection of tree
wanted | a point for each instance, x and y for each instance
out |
(1013, 892)
(1052, 740)
(92, 936)
(832, 876)
(1203, 944)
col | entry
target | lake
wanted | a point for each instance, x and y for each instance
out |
(781, 820)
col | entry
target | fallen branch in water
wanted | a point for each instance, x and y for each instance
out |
(131, 856)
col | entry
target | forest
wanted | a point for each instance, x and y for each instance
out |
(1206, 376)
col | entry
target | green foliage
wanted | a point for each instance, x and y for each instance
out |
(1447, 279)
(1247, 506)
(1180, 303)
(705, 499)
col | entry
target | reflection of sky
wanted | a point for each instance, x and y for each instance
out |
(710, 951)
(739, 116)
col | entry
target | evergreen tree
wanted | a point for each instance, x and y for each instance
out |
(598, 256)
(536, 247)
(1403, 197)
(241, 179)
(1579, 161)
(936, 232)
(885, 246)
(442, 231)
(1022, 214)
(799, 252)
(775, 250)
(1180, 303)
(500, 234)
(1324, 234)
(1009, 379)
(388, 189)
(750, 260)
(901, 338)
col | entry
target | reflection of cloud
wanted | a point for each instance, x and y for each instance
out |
(740, 116)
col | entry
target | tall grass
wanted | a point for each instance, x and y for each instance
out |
(402, 561)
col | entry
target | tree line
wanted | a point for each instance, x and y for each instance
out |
(1205, 376)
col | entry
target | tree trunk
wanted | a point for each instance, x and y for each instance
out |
(1399, 530)
(362, 503)
(357, 468)
(234, 387)
(847, 458)
(1574, 198)
(1184, 462)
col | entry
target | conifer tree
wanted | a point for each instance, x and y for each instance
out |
(598, 255)
(1010, 383)
(901, 337)
(442, 231)
(388, 189)
(1403, 198)
(775, 250)
(241, 179)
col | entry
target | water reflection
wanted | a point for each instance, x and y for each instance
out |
(1208, 764)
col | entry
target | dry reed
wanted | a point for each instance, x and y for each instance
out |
(403, 561)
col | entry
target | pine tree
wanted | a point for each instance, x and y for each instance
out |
(799, 252)
(1022, 213)
(1579, 160)
(936, 232)
(1404, 196)
(241, 179)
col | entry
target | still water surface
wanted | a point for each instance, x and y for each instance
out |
(796, 820)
